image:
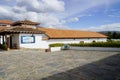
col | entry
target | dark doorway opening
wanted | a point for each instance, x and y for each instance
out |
(11, 42)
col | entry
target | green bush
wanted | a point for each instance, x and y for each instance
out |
(81, 42)
(3, 46)
(93, 44)
(99, 44)
(56, 45)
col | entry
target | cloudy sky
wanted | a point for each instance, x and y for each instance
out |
(95, 15)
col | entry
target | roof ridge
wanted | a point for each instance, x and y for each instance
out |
(58, 33)
(66, 29)
(28, 22)
(6, 21)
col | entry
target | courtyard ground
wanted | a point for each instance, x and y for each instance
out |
(63, 65)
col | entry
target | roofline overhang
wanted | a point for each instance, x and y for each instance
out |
(78, 38)
(18, 32)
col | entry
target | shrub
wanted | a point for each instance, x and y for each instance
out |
(3, 46)
(93, 41)
(99, 44)
(109, 40)
(56, 45)
(81, 42)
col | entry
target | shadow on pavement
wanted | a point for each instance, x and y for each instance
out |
(105, 69)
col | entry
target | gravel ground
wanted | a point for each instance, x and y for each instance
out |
(63, 65)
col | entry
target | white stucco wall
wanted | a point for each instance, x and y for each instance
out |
(51, 41)
(39, 44)
(29, 26)
(44, 44)
(1, 39)
(44, 36)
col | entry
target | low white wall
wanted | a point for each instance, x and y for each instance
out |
(52, 49)
(51, 41)
(39, 44)
(115, 39)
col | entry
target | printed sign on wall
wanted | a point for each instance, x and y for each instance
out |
(27, 39)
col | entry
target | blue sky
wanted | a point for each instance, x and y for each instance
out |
(95, 15)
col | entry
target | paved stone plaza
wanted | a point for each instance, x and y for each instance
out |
(63, 65)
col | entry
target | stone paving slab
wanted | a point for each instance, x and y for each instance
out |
(63, 65)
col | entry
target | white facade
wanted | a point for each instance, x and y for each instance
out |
(37, 44)
(35, 41)
(29, 26)
(51, 41)
(44, 44)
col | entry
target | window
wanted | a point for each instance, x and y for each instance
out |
(27, 39)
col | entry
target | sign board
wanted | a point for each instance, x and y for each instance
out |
(27, 39)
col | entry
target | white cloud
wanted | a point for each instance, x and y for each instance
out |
(35, 10)
(74, 19)
(42, 5)
(107, 27)
(114, 16)
(6, 12)
(80, 6)
(17, 9)
(7, 0)
(50, 13)
(49, 20)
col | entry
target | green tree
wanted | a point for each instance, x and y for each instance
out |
(114, 35)
(109, 34)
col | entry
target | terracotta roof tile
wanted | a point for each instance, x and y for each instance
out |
(28, 22)
(56, 33)
(3, 28)
(20, 29)
(5, 22)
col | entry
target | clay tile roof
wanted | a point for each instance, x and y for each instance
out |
(28, 22)
(5, 22)
(60, 34)
(2, 28)
(20, 29)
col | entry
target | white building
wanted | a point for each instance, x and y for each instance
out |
(27, 34)
(71, 36)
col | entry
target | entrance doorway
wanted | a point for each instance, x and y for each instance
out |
(11, 42)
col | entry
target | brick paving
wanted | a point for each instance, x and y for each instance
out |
(63, 65)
